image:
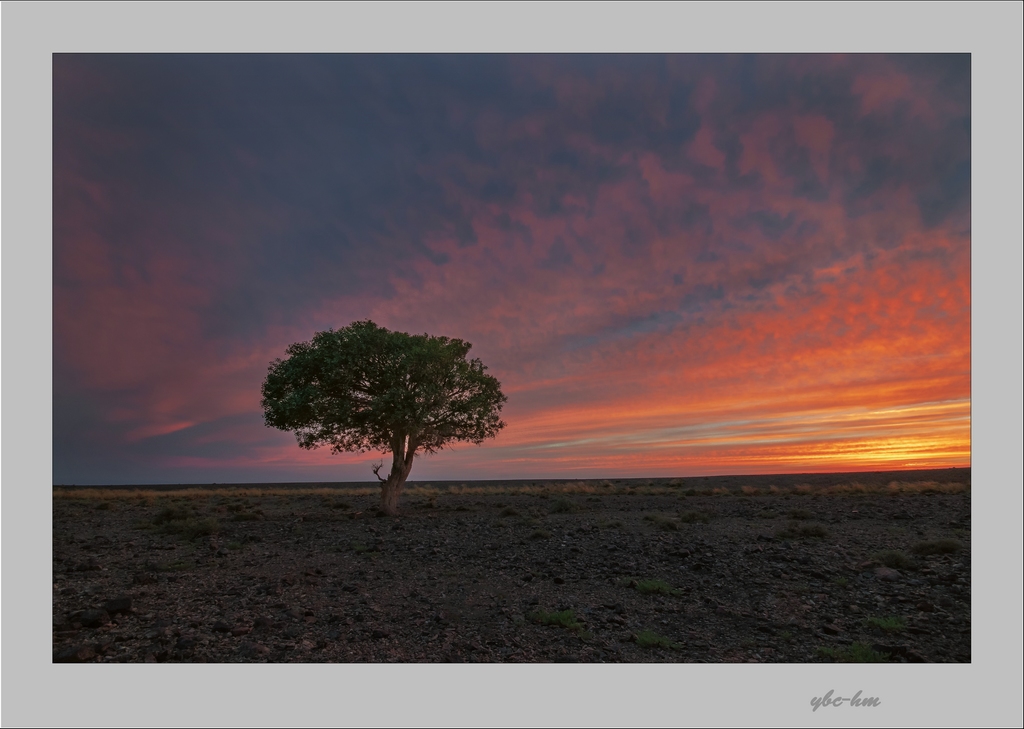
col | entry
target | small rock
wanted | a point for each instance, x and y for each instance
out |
(913, 656)
(888, 574)
(262, 623)
(121, 604)
(378, 634)
(143, 578)
(831, 629)
(253, 650)
(926, 607)
(240, 631)
(222, 552)
(185, 644)
(94, 618)
(75, 654)
(559, 580)
(221, 627)
(854, 609)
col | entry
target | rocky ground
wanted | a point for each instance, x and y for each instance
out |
(607, 572)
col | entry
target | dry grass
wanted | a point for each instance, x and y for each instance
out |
(545, 488)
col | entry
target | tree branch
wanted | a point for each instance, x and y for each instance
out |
(376, 471)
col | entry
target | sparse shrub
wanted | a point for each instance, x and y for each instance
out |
(797, 530)
(562, 505)
(234, 546)
(895, 560)
(509, 511)
(192, 528)
(103, 506)
(840, 581)
(889, 625)
(663, 522)
(937, 546)
(855, 653)
(170, 514)
(341, 505)
(801, 514)
(650, 639)
(655, 587)
(766, 514)
(540, 534)
(246, 516)
(564, 619)
(178, 566)
(689, 517)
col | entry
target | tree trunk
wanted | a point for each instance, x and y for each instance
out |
(401, 465)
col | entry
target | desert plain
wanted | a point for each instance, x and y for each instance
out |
(863, 567)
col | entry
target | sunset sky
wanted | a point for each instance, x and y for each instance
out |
(675, 265)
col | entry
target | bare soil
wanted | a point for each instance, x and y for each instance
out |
(734, 569)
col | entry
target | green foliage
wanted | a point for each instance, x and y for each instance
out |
(364, 388)
(889, 625)
(650, 639)
(562, 505)
(895, 560)
(655, 587)
(855, 653)
(663, 522)
(171, 514)
(689, 517)
(937, 546)
(565, 619)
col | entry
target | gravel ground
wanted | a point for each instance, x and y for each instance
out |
(638, 571)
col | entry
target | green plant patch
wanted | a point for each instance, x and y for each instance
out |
(691, 517)
(170, 514)
(191, 528)
(564, 619)
(650, 639)
(799, 530)
(177, 566)
(663, 522)
(562, 505)
(855, 653)
(937, 546)
(889, 625)
(234, 545)
(894, 559)
(655, 587)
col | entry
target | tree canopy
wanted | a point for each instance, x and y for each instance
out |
(364, 388)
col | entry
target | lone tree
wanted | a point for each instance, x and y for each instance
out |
(364, 388)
